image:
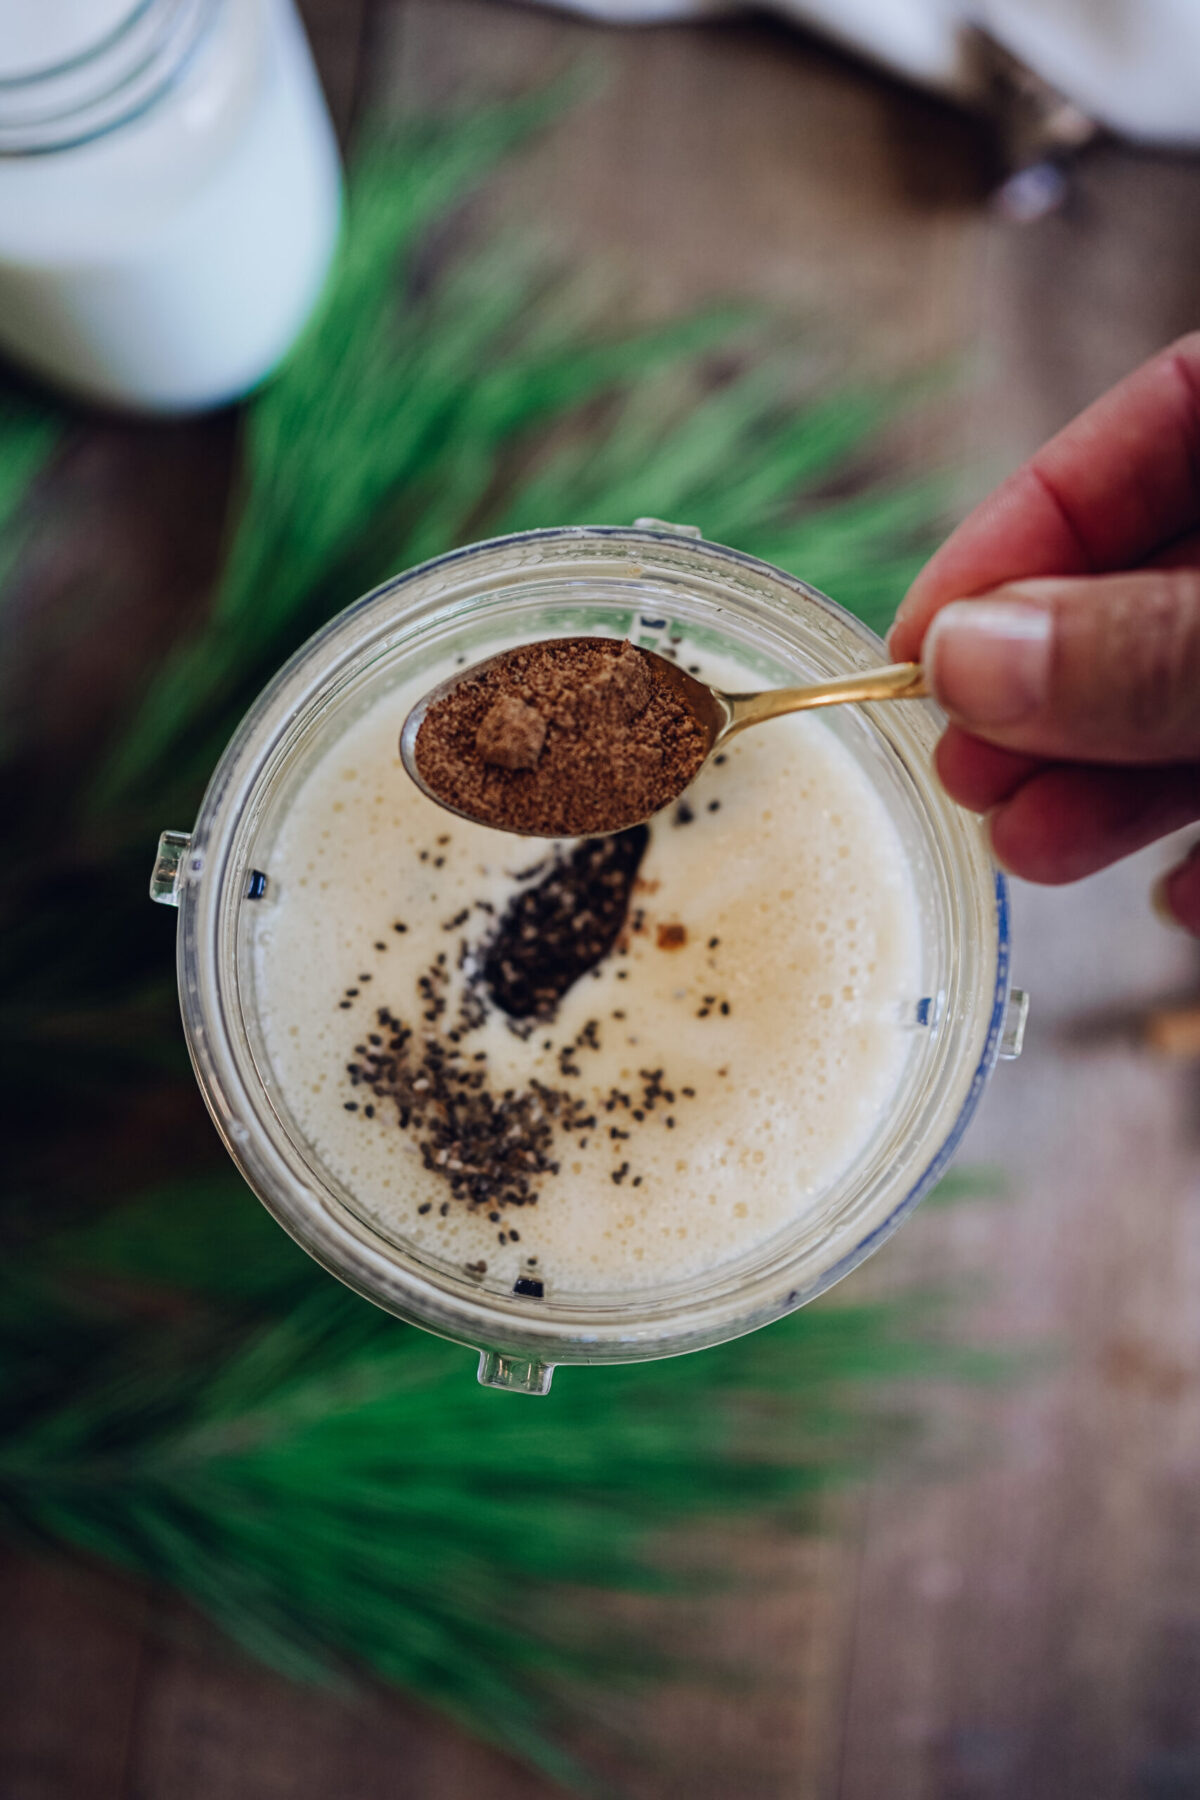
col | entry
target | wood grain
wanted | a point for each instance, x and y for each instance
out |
(70, 1661)
(722, 163)
(210, 1727)
(337, 31)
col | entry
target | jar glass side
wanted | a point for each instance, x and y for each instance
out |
(646, 586)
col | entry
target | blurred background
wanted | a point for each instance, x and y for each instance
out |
(1016, 1610)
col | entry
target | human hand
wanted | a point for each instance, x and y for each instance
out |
(1059, 626)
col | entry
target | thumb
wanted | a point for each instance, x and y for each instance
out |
(1177, 894)
(1102, 668)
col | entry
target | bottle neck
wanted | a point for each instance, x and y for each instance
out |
(65, 89)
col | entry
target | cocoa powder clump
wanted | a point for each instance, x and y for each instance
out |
(566, 738)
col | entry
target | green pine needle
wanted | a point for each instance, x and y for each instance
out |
(30, 431)
(337, 1493)
(392, 432)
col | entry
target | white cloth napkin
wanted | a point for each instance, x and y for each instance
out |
(1131, 65)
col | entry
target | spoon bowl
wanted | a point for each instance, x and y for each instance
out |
(720, 716)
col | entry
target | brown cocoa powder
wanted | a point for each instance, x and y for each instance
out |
(566, 738)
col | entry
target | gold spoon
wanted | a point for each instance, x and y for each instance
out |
(720, 716)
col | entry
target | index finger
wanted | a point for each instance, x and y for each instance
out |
(1116, 485)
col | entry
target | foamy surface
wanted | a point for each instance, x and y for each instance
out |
(784, 1009)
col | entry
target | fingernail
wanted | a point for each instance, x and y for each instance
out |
(988, 661)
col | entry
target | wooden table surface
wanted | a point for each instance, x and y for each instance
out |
(1020, 1616)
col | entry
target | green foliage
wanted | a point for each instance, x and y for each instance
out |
(190, 1398)
(29, 434)
(392, 434)
(183, 1392)
(984, 1181)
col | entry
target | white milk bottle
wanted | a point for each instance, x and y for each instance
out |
(169, 195)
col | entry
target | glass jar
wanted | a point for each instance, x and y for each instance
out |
(169, 195)
(650, 583)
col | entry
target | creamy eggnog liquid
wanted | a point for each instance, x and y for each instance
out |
(455, 1064)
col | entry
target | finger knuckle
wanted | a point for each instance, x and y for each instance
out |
(1130, 663)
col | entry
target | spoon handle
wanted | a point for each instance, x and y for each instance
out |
(898, 681)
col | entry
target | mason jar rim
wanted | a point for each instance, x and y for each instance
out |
(344, 1245)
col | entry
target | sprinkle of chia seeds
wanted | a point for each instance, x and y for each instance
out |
(494, 1149)
(718, 760)
(491, 1148)
(714, 806)
(725, 1008)
(563, 925)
